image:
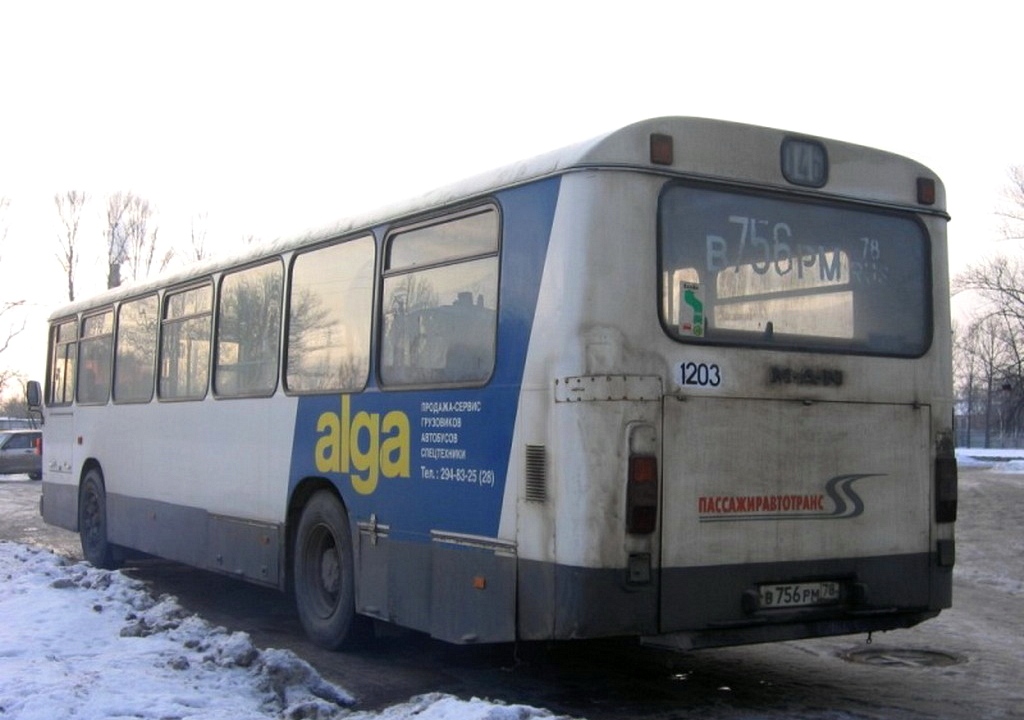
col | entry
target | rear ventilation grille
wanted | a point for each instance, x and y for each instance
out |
(536, 473)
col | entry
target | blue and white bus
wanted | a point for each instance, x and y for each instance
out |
(688, 382)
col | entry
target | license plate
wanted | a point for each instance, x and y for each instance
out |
(798, 594)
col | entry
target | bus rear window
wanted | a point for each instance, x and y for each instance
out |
(740, 268)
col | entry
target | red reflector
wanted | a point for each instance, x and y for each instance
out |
(926, 191)
(643, 469)
(661, 149)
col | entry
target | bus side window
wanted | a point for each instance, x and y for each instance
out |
(95, 358)
(64, 340)
(440, 302)
(248, 331)
(329, 313)
(185, 344)
(135, 351)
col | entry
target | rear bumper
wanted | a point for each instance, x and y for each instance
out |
(715, 606)
(721, 597)
(765, 632)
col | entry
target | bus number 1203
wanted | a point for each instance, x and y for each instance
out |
(700, 374)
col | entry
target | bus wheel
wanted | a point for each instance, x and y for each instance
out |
(92, 521)
(324, 573)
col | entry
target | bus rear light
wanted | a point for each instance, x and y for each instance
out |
(642, 495)
(925, 191)
(945, 489)
(661, 149)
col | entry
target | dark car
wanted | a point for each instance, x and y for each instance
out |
(21, 451)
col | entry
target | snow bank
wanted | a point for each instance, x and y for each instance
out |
(1010, 461)
(438, 706)
(78, 642)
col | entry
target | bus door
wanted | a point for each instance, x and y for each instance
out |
(59, 427)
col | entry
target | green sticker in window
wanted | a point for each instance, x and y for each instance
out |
(691, 319)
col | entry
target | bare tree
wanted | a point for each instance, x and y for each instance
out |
(989, 352)
(1011, 210)
(117, 253)
(141, 236)
(10, 325)
(991, 348)
(199, 251)
(69, 208)
(15, 405)
(999, 282)
(132, 239)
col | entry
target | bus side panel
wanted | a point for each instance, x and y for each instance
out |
(60, 486)
(199, 482)
(473, 594)
(423, 472)
(241, 548)
(592, 383)
(59, 504)
(169, 530)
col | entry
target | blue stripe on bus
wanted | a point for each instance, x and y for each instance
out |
(437, 459)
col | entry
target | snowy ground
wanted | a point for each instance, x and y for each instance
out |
(1003, 461)
(77, 642)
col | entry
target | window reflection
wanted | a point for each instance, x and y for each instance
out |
(439, 323)
(329, 317)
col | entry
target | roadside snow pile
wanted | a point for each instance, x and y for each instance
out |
(86, 643)
(1009, 461)
(78, 642)
(438, 706)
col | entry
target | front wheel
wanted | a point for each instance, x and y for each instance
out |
(324, 572)
(92, 521)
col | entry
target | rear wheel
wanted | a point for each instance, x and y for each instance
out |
(92, 521)
(324, 573)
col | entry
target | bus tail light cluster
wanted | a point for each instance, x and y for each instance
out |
(642, 495)
(945, 489)
(642, 480)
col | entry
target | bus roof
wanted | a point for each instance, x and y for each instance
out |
(753, 159)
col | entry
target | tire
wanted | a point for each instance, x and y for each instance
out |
(92, 521)
(324, 574)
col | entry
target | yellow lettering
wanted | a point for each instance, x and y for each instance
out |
(328, 447)
(353, 444)
(344, 433)
(394, 451)
(367, 462)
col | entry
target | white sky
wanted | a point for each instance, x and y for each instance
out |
(275, 117)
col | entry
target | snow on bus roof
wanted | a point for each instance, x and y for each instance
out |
(625, 147)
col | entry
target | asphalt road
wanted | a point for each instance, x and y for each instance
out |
(965, 664)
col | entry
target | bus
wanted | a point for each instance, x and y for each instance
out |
(688, 382)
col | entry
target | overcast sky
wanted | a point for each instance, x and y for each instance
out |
(271, 118)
